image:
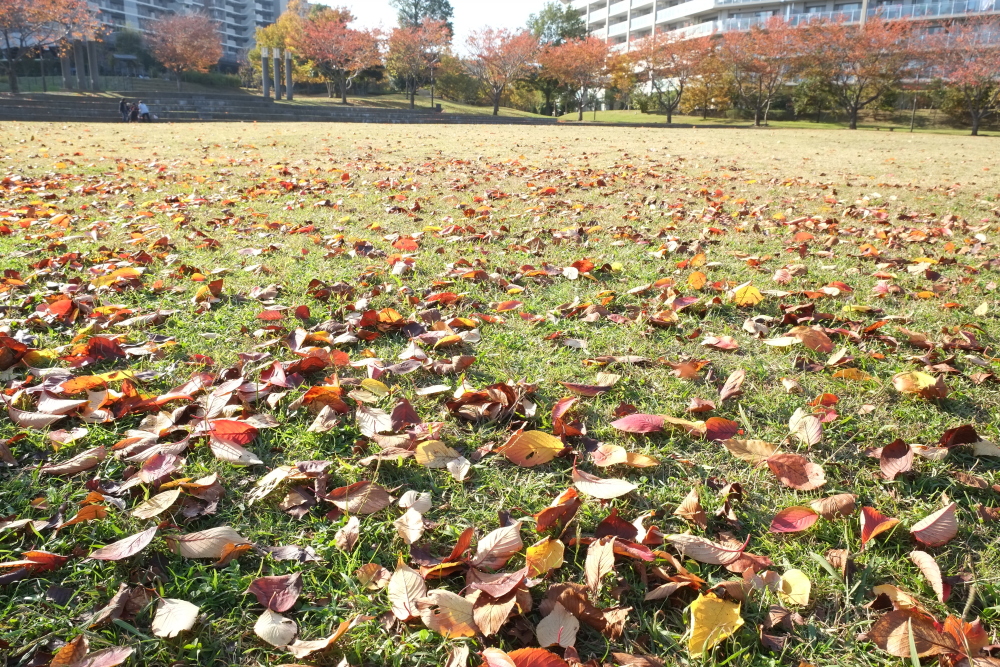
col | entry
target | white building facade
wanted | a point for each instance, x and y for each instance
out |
(238, 20)
(621, 22)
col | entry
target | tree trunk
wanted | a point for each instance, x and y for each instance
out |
(583, 98)
(756, 116)
(413, 91)
(975, 124)
(670, 116)
(496, 104)
(178, 81)
(432, 92)
(329, 89)
(854, 118)
(41, 63)
(343, 88)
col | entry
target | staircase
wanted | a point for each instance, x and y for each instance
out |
(174, 107)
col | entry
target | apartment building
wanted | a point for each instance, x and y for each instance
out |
(238, 20)
(623, 21)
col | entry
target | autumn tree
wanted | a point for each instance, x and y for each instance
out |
(667, 64)
(711, 86)
(413, 13)
(28, 25)
(185, 43)
(579, 64)
(285, 33)
(967, 58)
(498, 57)
(414, 53)
(761, 60)
(336, 50)
(860, 63)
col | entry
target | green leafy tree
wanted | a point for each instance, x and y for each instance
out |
(411, 13)
(552, 26)
(555, 24)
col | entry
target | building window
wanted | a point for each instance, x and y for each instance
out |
(815, 9)
(847, 7)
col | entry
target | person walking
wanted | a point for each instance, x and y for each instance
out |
(123, 110)
(133, 113)
(144, 112)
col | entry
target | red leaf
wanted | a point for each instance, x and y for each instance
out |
(718, 429)
(233, 432)
(277, 593)
(639, 423)
(536, 657)
(873, 523)
(796, 471)
(793, 520)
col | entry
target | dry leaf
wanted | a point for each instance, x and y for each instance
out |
(712, 621)
(173, 617)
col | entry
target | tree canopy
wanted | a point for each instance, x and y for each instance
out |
(412, 13)
(556, 24)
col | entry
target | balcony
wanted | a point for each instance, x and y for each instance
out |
(639, 22)
(671, 14)
(618, 8)
(956, 8)
(618, 29)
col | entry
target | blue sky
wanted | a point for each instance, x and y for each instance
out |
(469, 14)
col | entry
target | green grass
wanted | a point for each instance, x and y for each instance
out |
(422, 101)
(926, 122)
(659, 186)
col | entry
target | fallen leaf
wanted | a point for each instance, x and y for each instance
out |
(496, 548)
(277, 593)
(897, 630)
(873, 523)
(447, 614)
(794, 520)
(598, 487)
(543, 556)
(406, 586)
(897, 457)
(173, 617)
(275, 629)
(842, 504)
(712, 621)
(937, 529)
(932, 572)
(558, 628)
(126, 547)
(600, 562)
(796, 471)
(531, 448)
(209, 543)
(795, 587)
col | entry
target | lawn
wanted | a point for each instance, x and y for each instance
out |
(357, 312)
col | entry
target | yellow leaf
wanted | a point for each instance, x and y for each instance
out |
(795, 587)
(712, 621)
(747, 295)
(434, 454)
(852, 374)
(982, 309)
(532, 448)
(375, 387)
(543, 556)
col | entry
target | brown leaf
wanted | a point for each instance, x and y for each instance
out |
(303, 649)
(211, 543)
(842, 504)
(691, 509)
(124, 548)
(600, 562)
(277, 593)
(447, 614)
(82, 461)
(406, 586)
(703, 550)
(897, 457)
(360, 498)
(497, 547)
(733, 385)
(755, 452)
(490, 613)
(894, 632)
(796, 471)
